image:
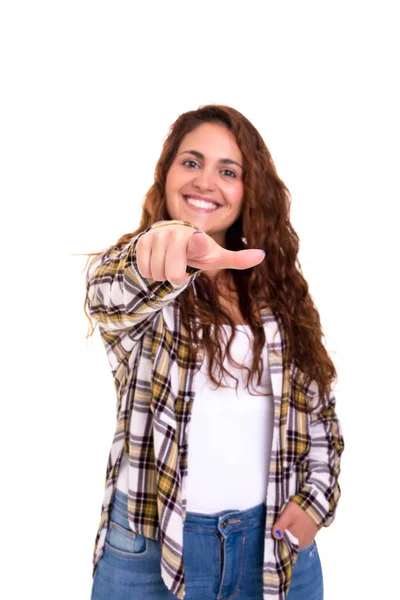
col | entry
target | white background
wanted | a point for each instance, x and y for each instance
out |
(89, 90)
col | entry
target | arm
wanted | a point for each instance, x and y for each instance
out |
(321, 492)
(119, 297)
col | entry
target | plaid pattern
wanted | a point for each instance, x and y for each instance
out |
(147, 347)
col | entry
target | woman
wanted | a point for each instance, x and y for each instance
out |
(203, 328)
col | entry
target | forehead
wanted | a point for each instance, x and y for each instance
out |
(214, 140)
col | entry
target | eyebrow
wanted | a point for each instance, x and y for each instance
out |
(224, 161)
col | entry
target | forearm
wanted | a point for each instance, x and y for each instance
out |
(320, 493)
(119, 297)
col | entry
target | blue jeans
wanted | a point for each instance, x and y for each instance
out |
(223, 559)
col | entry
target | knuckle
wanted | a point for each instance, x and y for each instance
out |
(175, 278)
(142, 247)
(144, 238)
(176, 272)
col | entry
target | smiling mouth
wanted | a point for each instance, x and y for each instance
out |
(201, 206)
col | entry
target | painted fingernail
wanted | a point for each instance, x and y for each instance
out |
(278, 533)
(197, 232)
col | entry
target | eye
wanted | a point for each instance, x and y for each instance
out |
(232, 174)
(192, 162)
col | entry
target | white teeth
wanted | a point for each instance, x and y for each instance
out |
(201, 203)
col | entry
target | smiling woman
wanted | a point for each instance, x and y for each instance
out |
(203, 330)
(204, 191)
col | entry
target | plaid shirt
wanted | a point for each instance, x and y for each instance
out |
(147, 346)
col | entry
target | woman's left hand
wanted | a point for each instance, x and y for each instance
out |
(297, 521)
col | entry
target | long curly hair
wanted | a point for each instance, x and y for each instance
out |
(277, 281)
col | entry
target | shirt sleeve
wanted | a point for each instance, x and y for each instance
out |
(118, 297)
(321, 492)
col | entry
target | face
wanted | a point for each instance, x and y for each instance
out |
(205, 182)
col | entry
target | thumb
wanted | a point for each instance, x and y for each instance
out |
(281, 525)
(204, 253)
(239, 259)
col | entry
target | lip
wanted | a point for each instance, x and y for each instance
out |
(197, 208)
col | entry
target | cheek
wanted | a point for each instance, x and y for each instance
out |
(236, 195)
(169, 180)
(170, 187)
(175, 180)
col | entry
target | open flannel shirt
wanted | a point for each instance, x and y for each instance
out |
(147, 347)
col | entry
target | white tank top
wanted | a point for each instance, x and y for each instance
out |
(229, 436)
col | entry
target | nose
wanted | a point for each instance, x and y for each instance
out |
(204, 180)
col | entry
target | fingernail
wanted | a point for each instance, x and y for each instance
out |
(197, 232)
(278, 533)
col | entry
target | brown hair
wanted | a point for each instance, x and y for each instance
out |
(264, 223)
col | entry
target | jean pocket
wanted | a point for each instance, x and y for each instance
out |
(305, 548)
(125, 542)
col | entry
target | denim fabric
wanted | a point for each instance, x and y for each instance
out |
(223, 558)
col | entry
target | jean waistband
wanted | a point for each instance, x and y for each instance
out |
(226, 520)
